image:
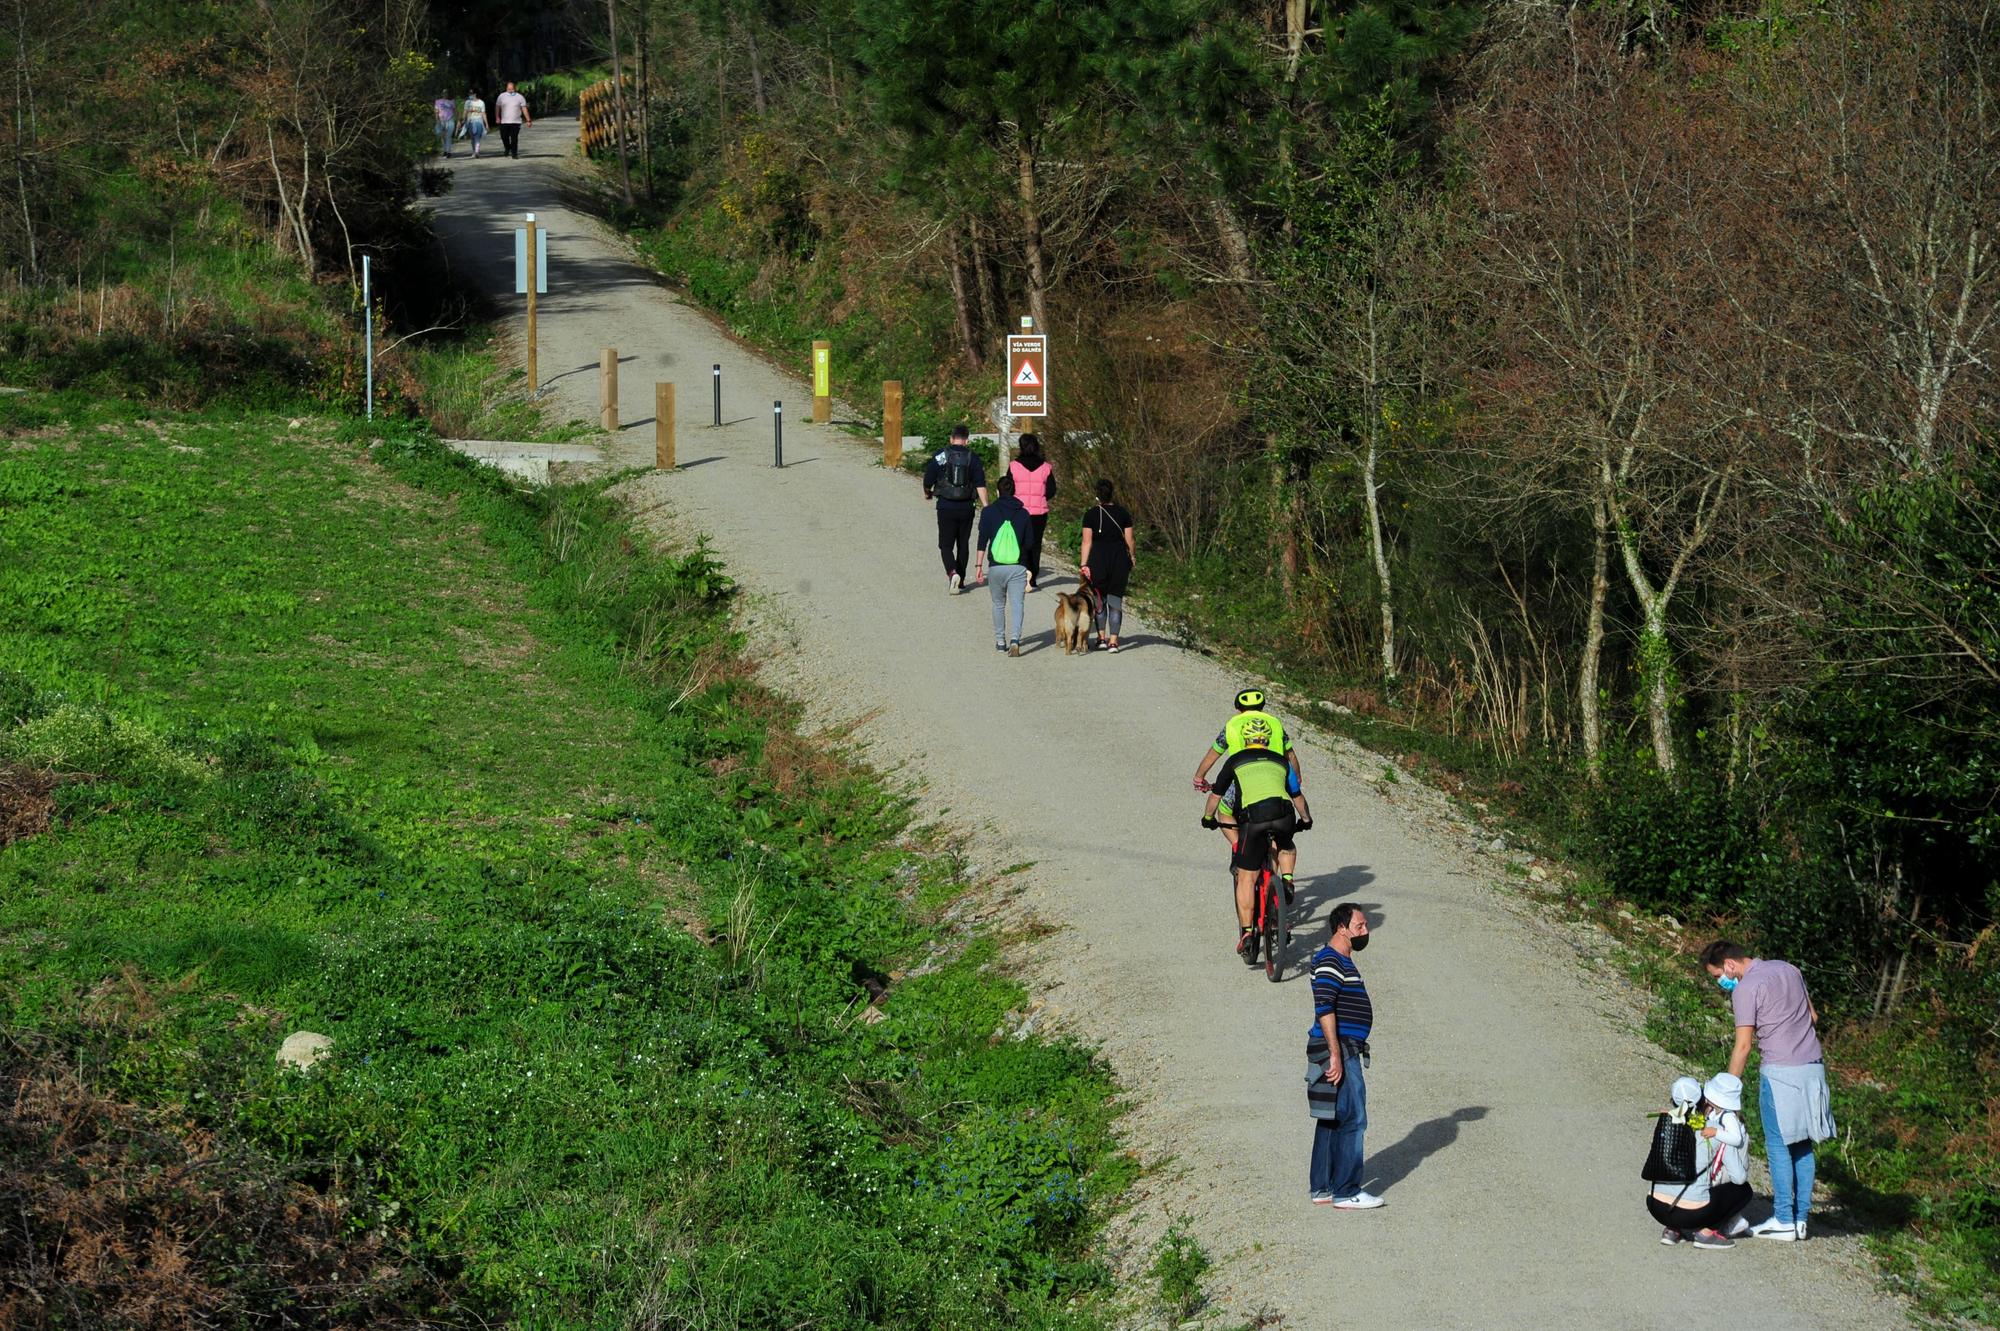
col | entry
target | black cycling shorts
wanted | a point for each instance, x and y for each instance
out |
(1256, 840)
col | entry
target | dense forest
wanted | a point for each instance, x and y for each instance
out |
(1609, 391)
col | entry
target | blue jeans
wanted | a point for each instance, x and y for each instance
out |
(1336, 1157)
(1792, 1163)
(1009, 585)
(444, 129)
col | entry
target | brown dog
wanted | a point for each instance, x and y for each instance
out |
(1074, 613)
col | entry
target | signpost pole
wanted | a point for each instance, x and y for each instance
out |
(534, 361)
(777, 434)
(663, 426)
(892, 423)
(717, 372)
(822, 381)
(368, 321)
(607, 389)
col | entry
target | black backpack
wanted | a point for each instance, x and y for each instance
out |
(1671, 1159)
(955, 482)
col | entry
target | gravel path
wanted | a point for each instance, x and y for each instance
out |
(1506, 1105)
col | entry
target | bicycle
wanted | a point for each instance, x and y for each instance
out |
(1267, 911)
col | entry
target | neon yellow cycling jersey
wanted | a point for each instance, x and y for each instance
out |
(1259, 776)
(1232, 738)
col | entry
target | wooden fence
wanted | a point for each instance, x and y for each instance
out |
(597, 115)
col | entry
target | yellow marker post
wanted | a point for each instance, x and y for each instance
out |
(892, 423)
(663, 426)
(822, 382)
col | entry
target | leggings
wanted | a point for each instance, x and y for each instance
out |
(954, 537)
(1110, 615)
(1034, 552)
(1724, 1201)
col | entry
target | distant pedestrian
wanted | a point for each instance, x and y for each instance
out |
(955, 477)
(475, 120)
(1034, 486)
(1774, 1011)
(1109, 555)
(1005, 532)
(512, 109)
(445, 113)
(1336, 1058)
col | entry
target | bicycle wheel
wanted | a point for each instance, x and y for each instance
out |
(1271, 916)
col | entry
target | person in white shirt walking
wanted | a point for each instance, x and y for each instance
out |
(511, 110)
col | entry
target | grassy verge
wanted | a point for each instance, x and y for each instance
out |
(638, 1003)
(458, 385)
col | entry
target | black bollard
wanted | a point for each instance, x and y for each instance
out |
(717, 372)
(777, 434)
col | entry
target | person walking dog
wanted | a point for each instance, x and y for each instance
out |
(1774, 1012)
(955, 477)
(1034, 486)
(1109, 553)
(512, 109)
(1336, 1059)
(1005, 531)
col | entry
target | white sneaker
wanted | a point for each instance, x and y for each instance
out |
(1763, 1227)
(1737, 1228)
(1782, 1231)
(1802, 1231)
(951, 585)
(1360, 1201)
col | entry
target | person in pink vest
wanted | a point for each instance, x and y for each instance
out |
(1034, 486)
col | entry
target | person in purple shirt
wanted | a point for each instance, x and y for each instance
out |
(446, 113)
(1774, 1012)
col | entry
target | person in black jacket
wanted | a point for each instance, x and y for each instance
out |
(955, 477)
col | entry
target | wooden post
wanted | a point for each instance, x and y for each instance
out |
(822, 381)
(607, 388)
(534, 362)
(663, 426)
(892, 423)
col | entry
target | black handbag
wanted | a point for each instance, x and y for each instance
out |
(1671, 1159)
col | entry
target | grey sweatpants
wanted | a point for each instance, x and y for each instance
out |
(1009, 585)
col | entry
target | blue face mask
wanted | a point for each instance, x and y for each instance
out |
(1725, 982)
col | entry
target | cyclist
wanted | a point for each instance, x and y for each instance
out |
(1249, 709)
(1268, 813)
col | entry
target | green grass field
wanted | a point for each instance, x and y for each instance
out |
(639, 1003)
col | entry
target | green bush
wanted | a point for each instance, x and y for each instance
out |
(1683, 845)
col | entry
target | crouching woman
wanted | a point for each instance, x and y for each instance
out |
(1708, 1210)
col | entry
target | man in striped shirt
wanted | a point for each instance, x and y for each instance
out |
(1337, 1050)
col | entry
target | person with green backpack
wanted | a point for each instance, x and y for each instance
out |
(1006, 534)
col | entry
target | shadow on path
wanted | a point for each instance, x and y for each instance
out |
(1395, 1163)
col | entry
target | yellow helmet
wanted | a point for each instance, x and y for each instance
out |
(1248, 699)
(1257, 733)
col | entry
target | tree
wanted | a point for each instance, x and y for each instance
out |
(982, 87)
(1352, 313)
(1604, 196)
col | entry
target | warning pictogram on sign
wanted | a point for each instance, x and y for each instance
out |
(1027, 375)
